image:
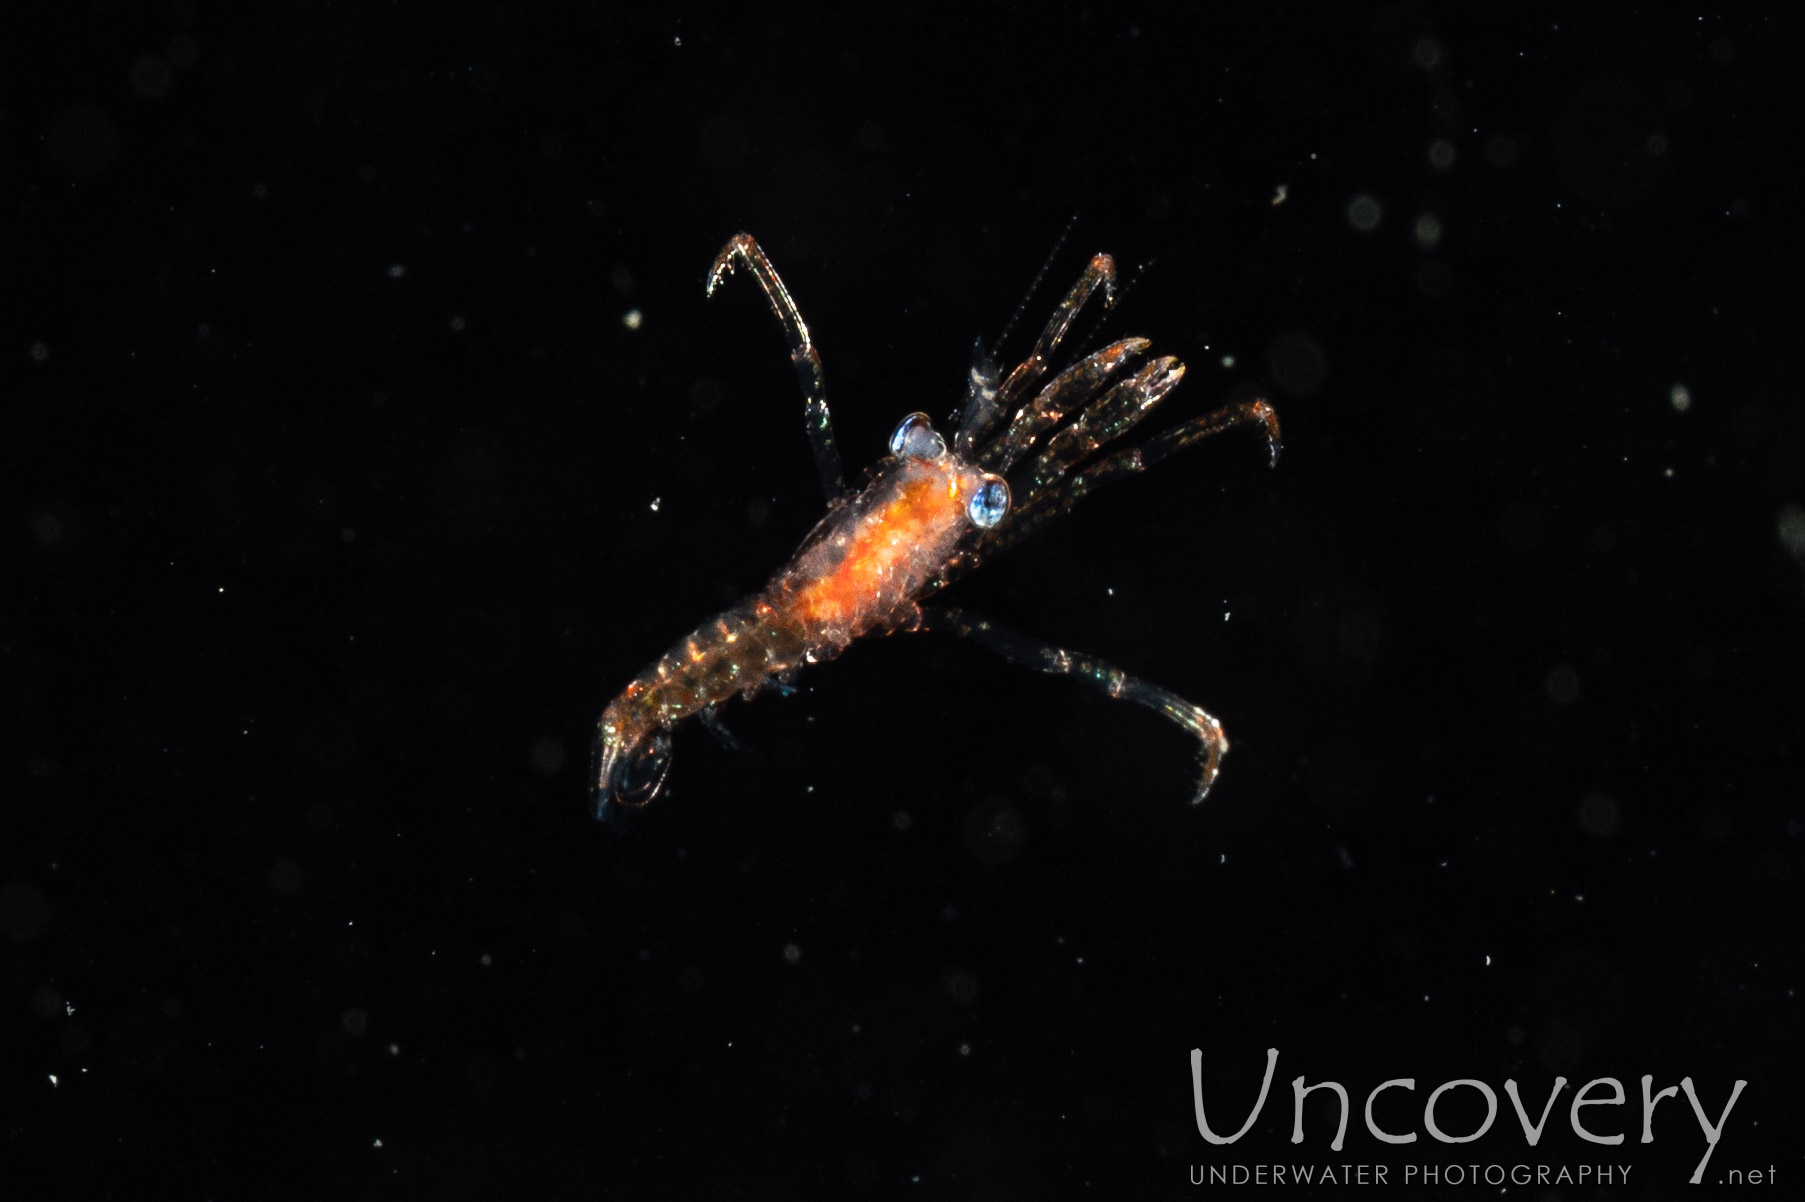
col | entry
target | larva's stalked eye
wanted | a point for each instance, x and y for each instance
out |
(916, 438)
(990, 503)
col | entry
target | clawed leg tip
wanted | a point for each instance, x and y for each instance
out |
(740, 245)
(1211, 765)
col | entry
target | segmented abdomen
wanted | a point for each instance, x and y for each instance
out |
(734, 652)
(857, 573)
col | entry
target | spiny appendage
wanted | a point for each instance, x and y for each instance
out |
(745, 248)
(1202, 725)
(1225, 418)
(1072, 389)
(1111, 416)
(1019, 649)
(1053, 488)
(741, 248)
(1099, 273)
(1209, 732)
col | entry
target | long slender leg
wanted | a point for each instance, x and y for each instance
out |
(803, 357)
(1072, 388)
(980, 409)
(1025, 519)
(1099, 273)
(1225, 418)
(1103, 421)
(1018, 648)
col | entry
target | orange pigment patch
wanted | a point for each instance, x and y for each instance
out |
(883, 545)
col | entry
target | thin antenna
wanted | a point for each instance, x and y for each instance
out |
(1034, 287)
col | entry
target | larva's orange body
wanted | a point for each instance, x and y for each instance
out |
(925, 515)
(859, 572)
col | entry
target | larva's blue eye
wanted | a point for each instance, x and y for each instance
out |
(989, 503)
(916, 438)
